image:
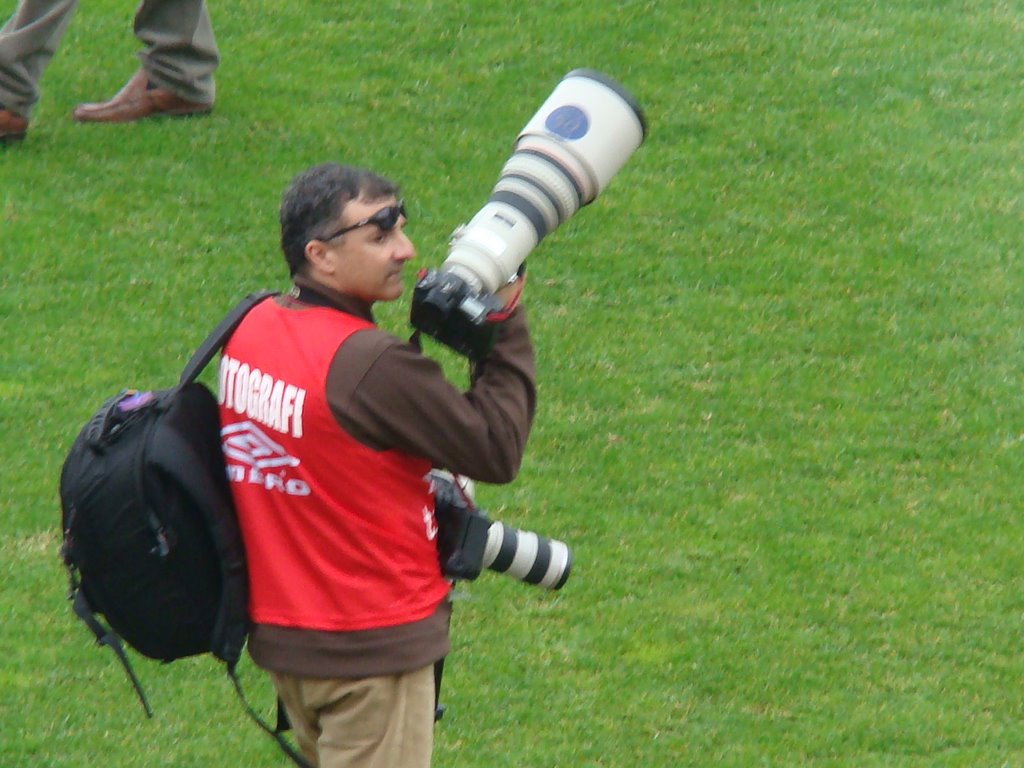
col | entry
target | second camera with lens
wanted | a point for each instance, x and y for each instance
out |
(468, 542)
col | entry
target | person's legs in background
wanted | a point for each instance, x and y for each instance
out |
(28, 41)
(178, 61)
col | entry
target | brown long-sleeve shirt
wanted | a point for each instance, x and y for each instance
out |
(389, 396)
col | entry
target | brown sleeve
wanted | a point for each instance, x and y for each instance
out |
(388, 395)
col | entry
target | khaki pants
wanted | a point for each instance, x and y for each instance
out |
(180, 52)
(379, 722)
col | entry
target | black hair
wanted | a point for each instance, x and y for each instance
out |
(314, 201)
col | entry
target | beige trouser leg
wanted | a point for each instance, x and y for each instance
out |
(181, 52)
(379, 722)
(28, 41)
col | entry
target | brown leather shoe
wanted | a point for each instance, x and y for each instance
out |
(136, 101)
(12, 127)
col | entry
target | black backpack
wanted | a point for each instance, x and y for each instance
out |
(150, 538)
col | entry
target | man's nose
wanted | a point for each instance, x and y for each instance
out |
(404, 250)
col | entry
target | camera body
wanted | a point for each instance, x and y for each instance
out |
(461, 536)
(445, 306)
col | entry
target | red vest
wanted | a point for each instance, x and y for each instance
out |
(338, 537)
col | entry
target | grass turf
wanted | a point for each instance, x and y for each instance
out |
(780, 359)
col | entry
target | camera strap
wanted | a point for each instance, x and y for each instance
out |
(438, 672)
(307, 295)
(505, 312)
(314, 298)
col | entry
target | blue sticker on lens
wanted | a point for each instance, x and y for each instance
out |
(568, 122)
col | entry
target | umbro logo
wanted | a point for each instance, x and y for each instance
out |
(265, 461)
(247, 443)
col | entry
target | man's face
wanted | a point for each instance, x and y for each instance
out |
(366, 262)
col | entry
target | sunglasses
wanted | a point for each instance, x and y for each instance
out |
(385, 218)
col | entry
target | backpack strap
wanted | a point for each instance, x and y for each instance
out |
(106, 637)
(218, 337)
(274, 733)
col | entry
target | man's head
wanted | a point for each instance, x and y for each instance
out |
(344, 227)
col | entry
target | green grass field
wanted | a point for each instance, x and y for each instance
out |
(781, 359)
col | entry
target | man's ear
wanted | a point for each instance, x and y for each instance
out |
(318, 257)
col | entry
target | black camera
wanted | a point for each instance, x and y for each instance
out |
(446, 307)
(468, 541)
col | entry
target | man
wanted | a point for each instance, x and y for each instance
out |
(176, 76)
(330, 426)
